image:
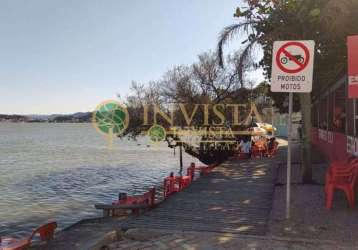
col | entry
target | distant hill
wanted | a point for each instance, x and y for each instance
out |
(56, 118)
(76, 117)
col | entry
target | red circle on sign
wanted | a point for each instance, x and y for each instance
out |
(301, 66)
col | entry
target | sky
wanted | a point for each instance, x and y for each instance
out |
(66, 56)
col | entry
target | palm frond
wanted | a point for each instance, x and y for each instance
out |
(227, 34)
(243, 60)
(245, 55)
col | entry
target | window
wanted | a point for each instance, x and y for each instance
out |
(323, 113)
(330, 111)
(350, 115)
(314, 115)
(339, 109)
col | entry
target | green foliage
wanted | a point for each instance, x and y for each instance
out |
(315, 12)
(203, 82)
(327, 22)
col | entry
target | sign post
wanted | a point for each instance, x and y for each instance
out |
(292, 72)
(289, 140)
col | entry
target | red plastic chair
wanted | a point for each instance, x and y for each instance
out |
(272, 152)
(343, 164)
(146, 198)
(46, 233)
(185, 181)
(190, 171)
(256, 151)
(343, 178)
(172, 184)
(338, 166)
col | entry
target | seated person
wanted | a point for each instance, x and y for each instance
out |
(245, 146)
(270, 143)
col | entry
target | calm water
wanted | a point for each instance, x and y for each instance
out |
(59, 171)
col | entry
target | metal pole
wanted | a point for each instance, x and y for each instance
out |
(272, 111)
(288, 181)
(354, 117)
(328, 112)
(181, 159)
(346, 105)
(318, 113)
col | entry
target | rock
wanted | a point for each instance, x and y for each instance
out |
(103, 244)
(143, 234)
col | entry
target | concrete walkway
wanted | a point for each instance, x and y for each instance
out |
(165, 240)
(236, 197)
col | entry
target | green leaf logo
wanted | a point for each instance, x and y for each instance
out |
(157, 133)
(110, 118)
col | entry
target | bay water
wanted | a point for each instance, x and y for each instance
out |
(58, 171)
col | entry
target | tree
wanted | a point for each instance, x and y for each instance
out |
(204, 82)
(328, 22)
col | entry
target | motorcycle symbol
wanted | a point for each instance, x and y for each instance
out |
(299, 58)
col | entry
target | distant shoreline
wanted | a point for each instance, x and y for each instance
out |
(9, 121)
(81, 117)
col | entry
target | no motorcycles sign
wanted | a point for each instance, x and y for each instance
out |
(292, 66)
